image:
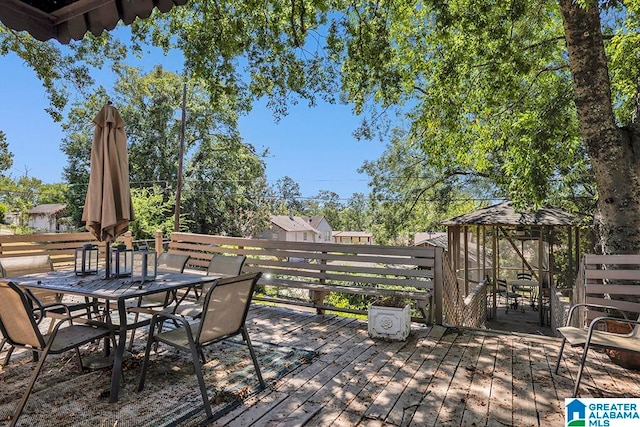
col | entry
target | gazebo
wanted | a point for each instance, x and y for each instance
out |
(497, 242)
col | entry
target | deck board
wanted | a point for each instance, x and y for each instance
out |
(439, 376)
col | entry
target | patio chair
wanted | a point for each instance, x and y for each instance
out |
(224, 314)
(225, 265)
(524, 276)
(530, 290)
(512, 298)
(594, 336)
(20, 328)
(167, 262)
(44, 301)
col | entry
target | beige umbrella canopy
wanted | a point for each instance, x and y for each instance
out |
(108, 208)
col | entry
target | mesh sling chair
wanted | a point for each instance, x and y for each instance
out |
(172, 263)
(593, 337)
(224, 313)
(530, 290)
(44, 301)
(20, 328)
(225, 265)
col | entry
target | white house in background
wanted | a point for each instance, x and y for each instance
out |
(321, 224)
(291, 229)
(353, 237)
(46, 218)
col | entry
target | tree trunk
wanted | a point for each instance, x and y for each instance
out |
(614, 151)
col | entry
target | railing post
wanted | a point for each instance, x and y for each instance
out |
(128, 239)
(159, 247)
(318, 296)
(438, 279)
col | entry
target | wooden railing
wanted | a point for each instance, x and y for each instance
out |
(59, 246)
(612, 280)
(304, 273)
(319, 268)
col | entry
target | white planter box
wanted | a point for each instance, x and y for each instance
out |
(389, 322)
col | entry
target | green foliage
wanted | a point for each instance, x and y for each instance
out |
(153, 213)
(409, 195)
(355, 215)
(225, 189)
(275, 46)
(287, 197)
(6, 157)
(224, 179)
(487, 88)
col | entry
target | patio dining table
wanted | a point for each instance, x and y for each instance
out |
(114, 290)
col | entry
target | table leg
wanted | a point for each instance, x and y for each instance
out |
(119, 356)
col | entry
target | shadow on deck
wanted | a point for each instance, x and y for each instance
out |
(439, 376)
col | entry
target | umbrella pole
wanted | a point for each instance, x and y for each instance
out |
(107, 260)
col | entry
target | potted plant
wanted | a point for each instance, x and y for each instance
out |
(390, 318)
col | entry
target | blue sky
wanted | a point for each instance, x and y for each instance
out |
(313, 146)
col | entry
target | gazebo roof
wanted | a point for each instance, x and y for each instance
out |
(505, 215)
(66, 20)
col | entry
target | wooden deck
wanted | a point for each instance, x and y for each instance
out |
(440, 376)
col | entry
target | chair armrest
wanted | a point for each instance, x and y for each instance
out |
(603, 319)
(161, 317)
(606, 307)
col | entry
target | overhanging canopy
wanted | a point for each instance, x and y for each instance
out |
(66, 20)
(504, 214)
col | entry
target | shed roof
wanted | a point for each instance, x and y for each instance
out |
(47, 209)
(66, 20)
(504, 214)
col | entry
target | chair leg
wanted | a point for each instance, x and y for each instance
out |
(8, 356)
(32, 381)
(133, 333)
(245, 335)
(564, 341)
(581, 368)
(145, 361)
(197, 367)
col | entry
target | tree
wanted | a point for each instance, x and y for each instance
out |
(611, 137)
(329, 207)
(6, 157)
(288, 197)
(225, 188)
(355, 215)
(224, 178)
(153, 213)
(523, 93)
(408, 195)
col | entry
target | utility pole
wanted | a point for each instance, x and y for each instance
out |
(176, 220)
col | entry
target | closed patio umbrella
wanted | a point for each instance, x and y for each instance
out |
(108, 208)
